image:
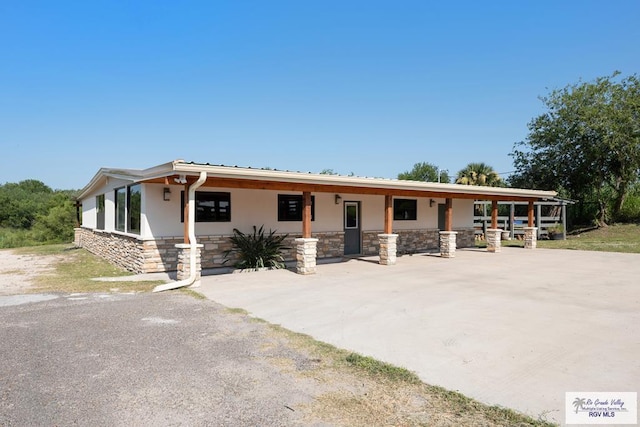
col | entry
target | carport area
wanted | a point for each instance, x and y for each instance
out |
(518, 329)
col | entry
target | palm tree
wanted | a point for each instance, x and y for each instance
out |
(479, 174)
(578, 403)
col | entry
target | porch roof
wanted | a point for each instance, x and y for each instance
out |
(181, 172)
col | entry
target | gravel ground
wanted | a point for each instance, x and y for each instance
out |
(144, 359)
(17, 271)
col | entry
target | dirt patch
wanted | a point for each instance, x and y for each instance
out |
(18, 271)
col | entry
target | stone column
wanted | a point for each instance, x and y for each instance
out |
(494, 235)
(184, 262)
(448, 244)
(387, 248)
(77, 237)
(530, 237)
(306, 252)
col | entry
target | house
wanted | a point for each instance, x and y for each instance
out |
(150, 220)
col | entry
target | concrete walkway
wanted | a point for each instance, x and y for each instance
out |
(518, 328)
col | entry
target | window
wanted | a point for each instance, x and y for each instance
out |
(128, 208)
(405, 209)
(100, 212)
(134, 199)
(290, 207)
(210, 206)
(121, 208)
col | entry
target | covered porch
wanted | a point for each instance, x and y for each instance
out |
(342, 189)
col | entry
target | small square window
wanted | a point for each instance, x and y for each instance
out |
(210, 206)
(290, 207)
(405, 209)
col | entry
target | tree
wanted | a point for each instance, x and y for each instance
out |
(58, 223)
(425, 172)
(328, 172)
(479, 174)
(32, 213)
(21, 203)
(587, 145)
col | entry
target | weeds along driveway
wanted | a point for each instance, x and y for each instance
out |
(518, 328)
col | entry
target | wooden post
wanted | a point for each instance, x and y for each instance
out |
(388, 214)
(494, 214)
(512, 222)
(186, 213)
(78, 216)
(564, 221)
(530, 222)
(448, 215)
(306, 214)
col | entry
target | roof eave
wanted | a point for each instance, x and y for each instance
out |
(380, 183)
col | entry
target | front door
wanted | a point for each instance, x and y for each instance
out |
(442, 209)
(352, 228)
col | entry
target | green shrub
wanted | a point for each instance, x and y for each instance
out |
(630, 211)
(15, 238)
(257, 250)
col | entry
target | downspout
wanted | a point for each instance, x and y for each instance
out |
(192, 240)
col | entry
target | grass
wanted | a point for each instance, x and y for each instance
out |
(614, 238)
(385, 370)
(75, 268)
(192, 293)
(363, 391)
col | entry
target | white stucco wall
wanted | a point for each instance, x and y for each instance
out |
(89, 218)
(260, 207)
(462, 213)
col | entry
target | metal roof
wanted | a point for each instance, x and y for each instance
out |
(181, 167)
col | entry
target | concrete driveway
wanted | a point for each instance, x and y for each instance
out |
(518, 328)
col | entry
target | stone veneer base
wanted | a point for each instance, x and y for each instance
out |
(150, 256)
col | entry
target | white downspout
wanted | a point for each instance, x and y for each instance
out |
(192, 240)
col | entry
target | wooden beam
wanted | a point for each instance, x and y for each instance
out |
(186, 213)
(306, 214)
(448, 215)
(494, 214)
(530, 214)
(254, 184)
(388, 214)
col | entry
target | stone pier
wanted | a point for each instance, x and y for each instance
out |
(306, 253)
(494, 236)
(530, 237)
(387, 248)
(448, 244)
(184, 262)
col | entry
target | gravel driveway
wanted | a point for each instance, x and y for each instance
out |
(143, 359)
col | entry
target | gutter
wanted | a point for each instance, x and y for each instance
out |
(192, 240)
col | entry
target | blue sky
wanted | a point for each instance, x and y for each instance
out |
(369, 87)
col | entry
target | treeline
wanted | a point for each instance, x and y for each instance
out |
(31, 213)
(586, 146)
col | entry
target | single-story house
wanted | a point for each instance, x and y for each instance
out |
(149, 220)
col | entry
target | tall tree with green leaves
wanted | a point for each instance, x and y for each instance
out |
(587, 144)
(425, 172)
(479, 174)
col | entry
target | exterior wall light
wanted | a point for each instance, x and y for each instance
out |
(431, 202)
(338, 199)
(166, 194)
